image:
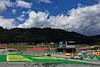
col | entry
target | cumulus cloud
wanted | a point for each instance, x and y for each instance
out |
(84, 20)
(4, 4)
(22, 15)
(23, 4)
(19, 3)
(35, 20)
(98, 1)
(8, 3)
(45, 1)
(2, 7)
(14, 11)
(26, 12)
(20, 18)
(6, 23)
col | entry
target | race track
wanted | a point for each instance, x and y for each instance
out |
(96, 63)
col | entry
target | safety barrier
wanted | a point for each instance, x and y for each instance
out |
(67, 54)
(87, 56)
(72, 55)
(59, 53)
(38, 49)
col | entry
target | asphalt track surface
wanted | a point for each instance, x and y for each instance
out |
(32, 64)
(24, 64)
(56, 56)
(62, 56)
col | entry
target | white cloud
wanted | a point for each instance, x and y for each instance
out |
(59, 21)
(22, 15)
(4, 4)
(26, 12)
(98, 1)
(8, 3)
(20, 18)
(14, 11)
(45, 1)
(35, 20)
(2, 7)
(47, 12)
(80, 5)
(23, 4)
(6, 23)
(84, 20)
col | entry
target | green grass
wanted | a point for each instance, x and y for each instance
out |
(2, 58)
(30, 58)
(79, 46)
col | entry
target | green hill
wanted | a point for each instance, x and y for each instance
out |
(96, 36)
(41, 35)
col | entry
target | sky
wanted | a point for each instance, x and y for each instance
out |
(81, 16)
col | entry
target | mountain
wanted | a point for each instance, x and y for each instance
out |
(96, 36)
(41, 35)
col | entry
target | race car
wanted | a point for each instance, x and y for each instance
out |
(68, 55)
(46, 54)
(77, 57)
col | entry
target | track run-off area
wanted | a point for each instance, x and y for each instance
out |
(9, 57)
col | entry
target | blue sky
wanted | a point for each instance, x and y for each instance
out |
(81, 16)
